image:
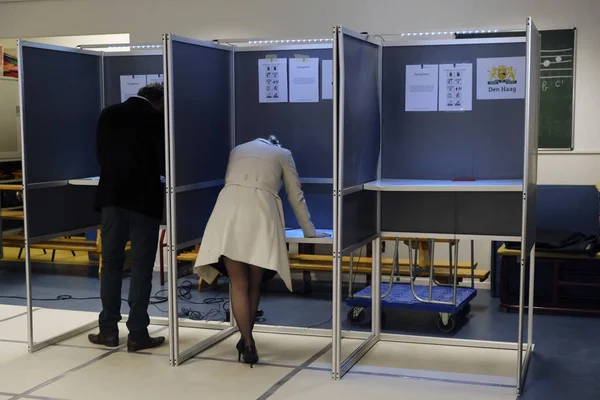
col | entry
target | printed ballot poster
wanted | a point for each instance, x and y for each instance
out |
(131, 85)
(157, 78)
(304, 79)
(456, 87)
(500, 78)
(272, 80)
(421, 92)
(327, 79)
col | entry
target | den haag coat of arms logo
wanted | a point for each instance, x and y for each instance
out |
(502, 74)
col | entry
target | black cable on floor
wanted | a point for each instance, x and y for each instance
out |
(184, 293)
(321, 324)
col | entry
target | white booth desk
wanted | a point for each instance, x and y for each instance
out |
(428, 185)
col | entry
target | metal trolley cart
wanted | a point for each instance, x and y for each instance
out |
(447, 299)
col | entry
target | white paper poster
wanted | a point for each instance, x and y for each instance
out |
(160, 78)
(501, 78)
(456, 87)
(304, 80)
(131, 85)
(421, 88)
(327, 79)
(272, 80)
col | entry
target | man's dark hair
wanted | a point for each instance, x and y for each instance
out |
(153, 92)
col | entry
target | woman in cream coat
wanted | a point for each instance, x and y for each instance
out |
(246, 230)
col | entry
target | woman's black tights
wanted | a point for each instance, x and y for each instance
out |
(245, 295)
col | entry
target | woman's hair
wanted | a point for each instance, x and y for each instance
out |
(274, 141)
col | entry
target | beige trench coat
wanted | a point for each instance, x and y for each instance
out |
(247, 223)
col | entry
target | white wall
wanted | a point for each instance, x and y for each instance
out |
(146, 20)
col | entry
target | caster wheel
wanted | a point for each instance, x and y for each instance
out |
(446, 328)
(356, 316)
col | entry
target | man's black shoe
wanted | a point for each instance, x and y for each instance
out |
(143, 344)
(104, 339)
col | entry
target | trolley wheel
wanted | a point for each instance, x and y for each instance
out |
(448, 327)
(356, 316)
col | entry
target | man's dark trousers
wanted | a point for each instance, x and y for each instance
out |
(118, 226)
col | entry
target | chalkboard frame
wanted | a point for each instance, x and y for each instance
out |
(522, 33)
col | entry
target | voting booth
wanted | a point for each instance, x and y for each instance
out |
(435, 139)
(62, 93)
(218, 96)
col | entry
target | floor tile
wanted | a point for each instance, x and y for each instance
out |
(188, 337)
(286, 350)
(11, 351)
(461, 364)
(47, 323)
(29, 370)
(10, 311)
(160, 381)
(309, 384)
(348, 346)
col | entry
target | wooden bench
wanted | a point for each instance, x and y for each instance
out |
(72, 244)
(12, 215)
(362, 265)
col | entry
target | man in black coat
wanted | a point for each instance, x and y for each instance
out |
(131, 153)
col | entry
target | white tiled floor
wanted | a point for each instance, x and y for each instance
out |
(47, 324)
(29, 370)
(77, 370)
(11, 311)
(284, 350)
(316, 385)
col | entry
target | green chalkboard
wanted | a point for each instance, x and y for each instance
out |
(557, 81)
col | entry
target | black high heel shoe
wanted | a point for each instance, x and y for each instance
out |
(250, 355)
(240, 349)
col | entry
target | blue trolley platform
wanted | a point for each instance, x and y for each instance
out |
(402, 297)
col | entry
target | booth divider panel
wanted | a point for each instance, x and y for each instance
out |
(535, 44)
(115, 66)
(361, 134)
(489, 213)
(303, 128)
(56, 210)
(418, 212)
(193, 211)
(359, 219)
(320, 206)
(61, 107)
(201, 110)
(485, 143)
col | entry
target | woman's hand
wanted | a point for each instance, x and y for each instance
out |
(320, 235)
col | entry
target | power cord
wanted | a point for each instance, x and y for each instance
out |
(184, 293)
(321, 324)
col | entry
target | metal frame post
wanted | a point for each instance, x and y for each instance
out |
(31, 344)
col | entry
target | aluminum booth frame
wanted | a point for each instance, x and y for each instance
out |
(58, 201)
(352, 185)
(205, 180)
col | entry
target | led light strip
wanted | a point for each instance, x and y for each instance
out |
(447, 33)
(136, 47)
(323, 40)
(119, 46)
